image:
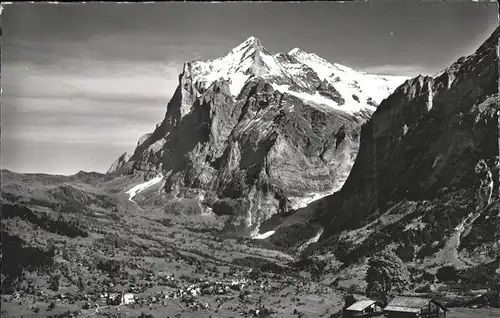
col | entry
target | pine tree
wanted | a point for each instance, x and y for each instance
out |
(54, 282)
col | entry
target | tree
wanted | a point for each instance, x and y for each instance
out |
(349, 299)
(52, 305)
(54, 282)
(447, 274)
(81, 283)
(386, 275)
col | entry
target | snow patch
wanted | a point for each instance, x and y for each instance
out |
(238, 80)
(143, 186)
(298, 203)
(318, 99)
(377, 87)
(271, 63)
(305, 96)
(263, 236)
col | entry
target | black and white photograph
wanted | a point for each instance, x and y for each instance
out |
(250, 159)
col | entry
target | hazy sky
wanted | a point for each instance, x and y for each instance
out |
(82, 82)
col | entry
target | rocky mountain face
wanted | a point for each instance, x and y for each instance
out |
(413, 184)
(252, 134)
(119, 163)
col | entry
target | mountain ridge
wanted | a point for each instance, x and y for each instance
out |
(262, 164)
(232, 119)
(413, 186)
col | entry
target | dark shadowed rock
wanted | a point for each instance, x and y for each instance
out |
(422, 140)
(413, 185)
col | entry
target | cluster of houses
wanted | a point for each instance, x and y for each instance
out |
(399, 307)
(187, 295)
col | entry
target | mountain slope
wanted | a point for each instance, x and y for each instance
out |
(119, 163)
(413, 184)
(252, 134)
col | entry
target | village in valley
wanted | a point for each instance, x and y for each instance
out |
(121, 265)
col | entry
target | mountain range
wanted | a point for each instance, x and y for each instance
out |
(413, 187)
(270, 171)
(252, 134)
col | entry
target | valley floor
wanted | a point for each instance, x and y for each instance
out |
(476, 313)
(72, 252)
(172, 268)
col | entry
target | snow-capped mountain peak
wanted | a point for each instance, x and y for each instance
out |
(248, 43)
(239, 65)
(297, 73)
(294, 51)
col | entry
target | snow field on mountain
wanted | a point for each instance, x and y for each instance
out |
(264, 235)
(143, 186)
(249, 59)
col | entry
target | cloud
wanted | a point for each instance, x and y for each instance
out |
(79, 134)
(401, 70)
(47, 120)
(46, 111)
(47, 157)
(119, 80)
(78, 104)
(65, 95)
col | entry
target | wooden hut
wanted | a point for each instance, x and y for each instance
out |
(364, 308)
(414, 307)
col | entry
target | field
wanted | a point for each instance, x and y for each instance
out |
(476, 313)
(174, 265)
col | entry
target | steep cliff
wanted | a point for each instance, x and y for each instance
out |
(413, 183)
(252, 134)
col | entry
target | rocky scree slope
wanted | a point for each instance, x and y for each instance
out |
(413, 184)
(252, 134)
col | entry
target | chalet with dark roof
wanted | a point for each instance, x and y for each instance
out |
(414, 307)
(364, 308)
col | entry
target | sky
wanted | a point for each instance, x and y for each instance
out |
(82, 82)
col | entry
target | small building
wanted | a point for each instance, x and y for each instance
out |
(113, 299)
(414, 307)
(364, 308)
(127, 298)
(119, 298)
